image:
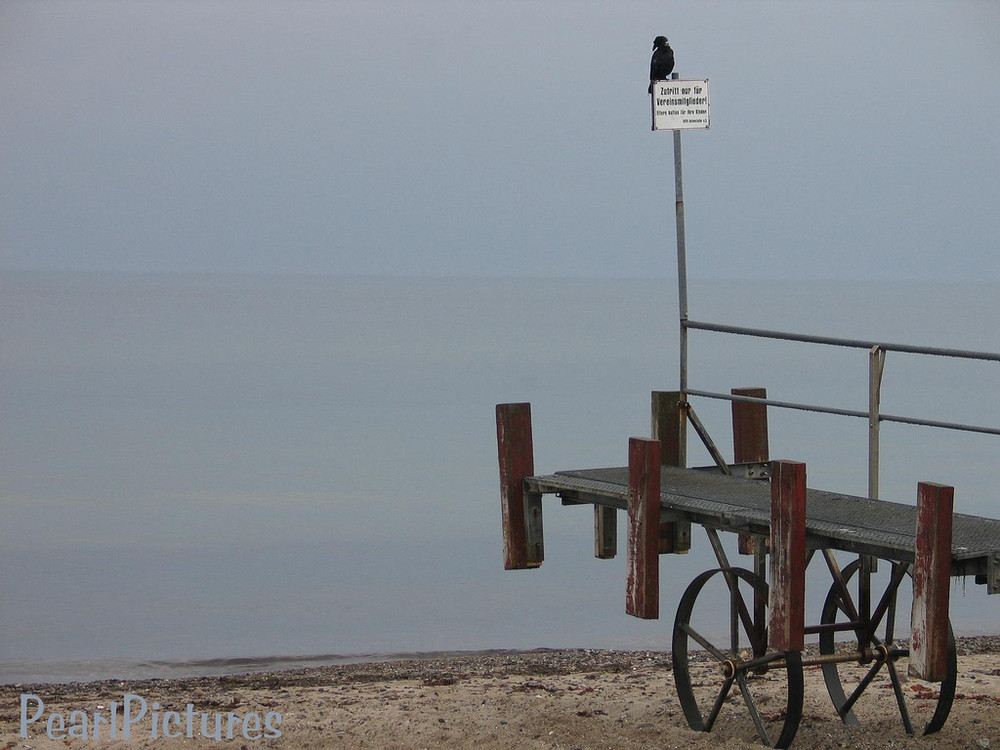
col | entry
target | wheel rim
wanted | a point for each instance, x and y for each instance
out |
(737, 662)
(889, 670)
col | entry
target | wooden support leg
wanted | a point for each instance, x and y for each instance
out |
(642, 596)
(750, 444)
(931, 582)
(521, 511)
(788, 556)
(605, 532)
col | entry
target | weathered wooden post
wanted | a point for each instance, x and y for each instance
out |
(669, 427)
(642, 596)
(750, 445)
(749, 427)
(605, 532)
(931, 582)
(750, 442)
(788, 556)
(521, 511)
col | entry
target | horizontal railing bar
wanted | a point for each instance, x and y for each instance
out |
(943, 425)
(832, 341)
(846, 412)
(782, 404)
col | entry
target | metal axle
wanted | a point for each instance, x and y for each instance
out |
(765, 664)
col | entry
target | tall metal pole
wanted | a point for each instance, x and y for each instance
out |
(681, 258)
(681, 280)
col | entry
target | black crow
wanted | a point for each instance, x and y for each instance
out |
(661, 65)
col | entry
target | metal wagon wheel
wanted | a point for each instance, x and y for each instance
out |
(716, 665)
(886, 663)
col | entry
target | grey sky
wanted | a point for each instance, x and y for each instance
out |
(848, 140)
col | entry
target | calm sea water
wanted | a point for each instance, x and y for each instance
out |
(196, 470)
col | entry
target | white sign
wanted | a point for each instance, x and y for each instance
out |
(680, 104)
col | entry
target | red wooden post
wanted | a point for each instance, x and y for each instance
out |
(521, 513)
(669, 422)
(749, 427)
(788, 556)
(749, 442)
(642, 596)
(750, 445)
(669, 427)
(931, 582)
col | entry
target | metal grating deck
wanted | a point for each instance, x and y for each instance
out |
(833, 520)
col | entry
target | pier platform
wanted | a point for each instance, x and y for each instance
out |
(834, 520)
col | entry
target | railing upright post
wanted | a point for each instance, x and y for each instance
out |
(876, 365)
(869, 563)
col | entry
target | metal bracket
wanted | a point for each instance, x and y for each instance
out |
(760, 470)
(993, 571)
(752, 470)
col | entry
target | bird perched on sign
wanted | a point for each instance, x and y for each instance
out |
(661, 65)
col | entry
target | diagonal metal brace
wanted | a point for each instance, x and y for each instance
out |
(706, 439)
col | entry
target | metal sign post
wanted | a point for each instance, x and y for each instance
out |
(680, 105)
(681, 261)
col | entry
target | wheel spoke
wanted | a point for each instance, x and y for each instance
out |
(897, 688)
(703, 641)
(888, 602)
(752, 708)
(862, 686)
(760, 661)
(840, 583)
(717, 706)
(890, 623)
(734, 614)
(738, 606)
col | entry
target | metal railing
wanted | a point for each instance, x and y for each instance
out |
(877, 351)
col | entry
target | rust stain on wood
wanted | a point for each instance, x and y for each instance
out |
(642, 596)
(788, 556)
(931, 582)
(521, 513)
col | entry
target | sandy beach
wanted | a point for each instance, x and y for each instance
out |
(536, 699)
